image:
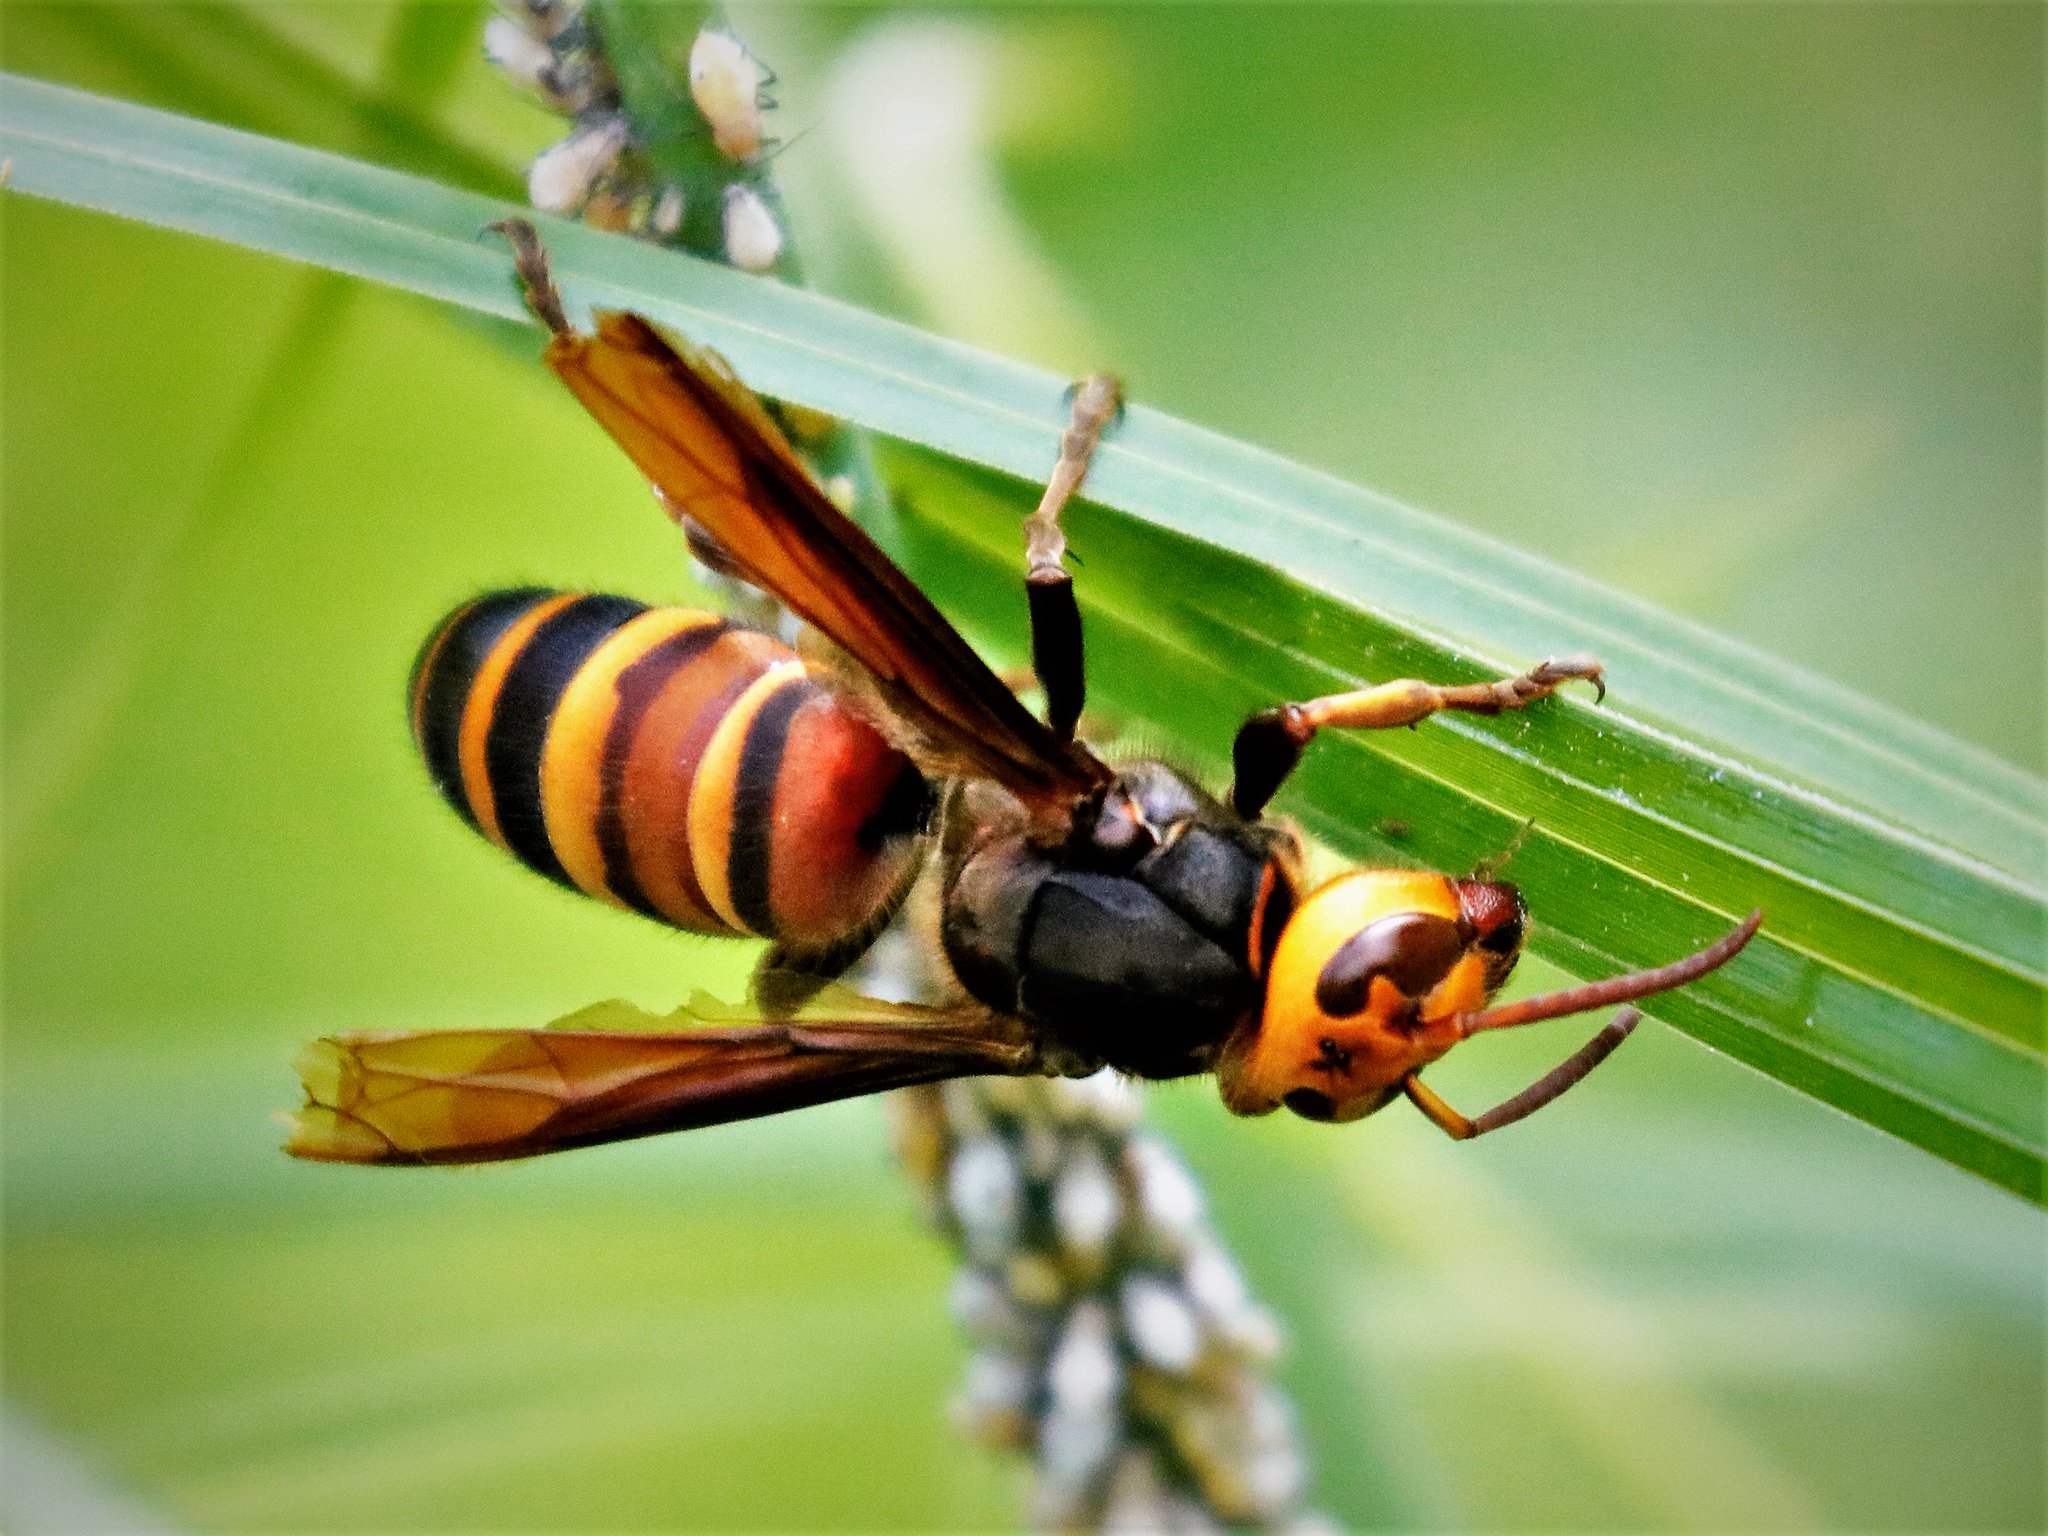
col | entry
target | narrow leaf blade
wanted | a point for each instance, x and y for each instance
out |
(1901, 972)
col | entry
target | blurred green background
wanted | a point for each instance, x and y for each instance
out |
(1738, 307)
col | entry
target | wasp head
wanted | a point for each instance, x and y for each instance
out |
(1366, 986)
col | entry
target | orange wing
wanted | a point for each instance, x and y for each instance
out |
(714, 453)
(482, 1095)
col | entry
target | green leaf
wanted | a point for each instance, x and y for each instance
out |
(1900, 972)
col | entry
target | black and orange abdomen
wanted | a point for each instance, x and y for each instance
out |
(664, 760)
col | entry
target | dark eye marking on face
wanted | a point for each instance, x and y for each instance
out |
(1331, 1057)
(1413, 950)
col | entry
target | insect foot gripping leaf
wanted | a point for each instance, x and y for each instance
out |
(1115, 1341)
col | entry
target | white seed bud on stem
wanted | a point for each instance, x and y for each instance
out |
(1084, 1374)
(983, 1189)
(1086, 1207)
(1167, 1192)
(667, 216)
(561, 179)
(725, 83)
(753, 240)
(1159, 1323)
(512, 49)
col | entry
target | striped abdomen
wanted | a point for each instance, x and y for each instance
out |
(664, 760)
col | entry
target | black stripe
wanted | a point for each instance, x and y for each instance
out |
(533, 686)
(753, 804)
(437, 695)
(638, 686)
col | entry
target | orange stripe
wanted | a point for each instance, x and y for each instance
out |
(1255, 940)
(711, 796)
(661, 767)
(572, 760)
(483, 703)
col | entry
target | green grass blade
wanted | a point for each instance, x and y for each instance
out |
(1901, 973)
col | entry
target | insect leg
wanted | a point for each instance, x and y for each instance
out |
(1056, 653)
(718, 567)
(1271, 742)
(536, 282)
(1531, 1098)
(739, 591)
(786, 980)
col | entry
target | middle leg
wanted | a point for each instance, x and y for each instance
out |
(1056, 654)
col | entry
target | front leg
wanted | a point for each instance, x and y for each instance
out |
(1271, 742)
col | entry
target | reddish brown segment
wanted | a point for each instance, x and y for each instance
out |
(839, 790)
(666, 716)
(711, 449)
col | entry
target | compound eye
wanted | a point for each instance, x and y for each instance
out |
(1310, 1104)
(1413, 950)
(1314, 1104)
(1493, 910)
(1505, 939)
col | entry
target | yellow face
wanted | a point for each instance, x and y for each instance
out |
(1365, 987)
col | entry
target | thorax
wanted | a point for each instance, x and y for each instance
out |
(1143, 939)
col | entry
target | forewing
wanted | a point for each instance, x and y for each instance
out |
(711, 449)
(483, 1095)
